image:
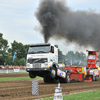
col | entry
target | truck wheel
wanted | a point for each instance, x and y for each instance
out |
(93, 78)
(96, 78)
(48, 80)
(82, 78)
(61, 80)
(32, 75)
(53, 72)
(67, 79)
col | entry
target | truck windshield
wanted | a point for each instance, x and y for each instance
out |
(38, 49)
(91, 57)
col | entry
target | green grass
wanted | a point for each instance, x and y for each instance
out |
(17, 78)
(15, 73)
(90, 95)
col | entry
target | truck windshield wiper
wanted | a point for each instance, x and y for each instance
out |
(40, 52)
(31, 52)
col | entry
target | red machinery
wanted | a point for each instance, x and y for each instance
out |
(92, 59)
(86, 73)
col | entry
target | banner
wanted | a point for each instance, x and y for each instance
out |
(16, 70)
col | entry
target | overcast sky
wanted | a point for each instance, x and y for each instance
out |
(18, 22)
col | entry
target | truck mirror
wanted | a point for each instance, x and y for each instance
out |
(52, 49)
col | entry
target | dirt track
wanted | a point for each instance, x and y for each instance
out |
(14, 75)
(22, 90)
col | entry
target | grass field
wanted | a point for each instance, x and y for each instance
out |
(14, 73)
(90, 95)
(17, 78)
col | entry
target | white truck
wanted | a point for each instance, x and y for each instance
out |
(42, 60)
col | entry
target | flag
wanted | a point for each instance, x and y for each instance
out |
(80, 62)
(63, 62)
(14, 57)
(71, 61)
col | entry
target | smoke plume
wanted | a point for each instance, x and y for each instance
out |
(61, 22)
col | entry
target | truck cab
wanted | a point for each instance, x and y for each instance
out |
(42, 60)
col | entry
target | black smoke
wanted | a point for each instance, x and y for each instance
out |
(61, 22)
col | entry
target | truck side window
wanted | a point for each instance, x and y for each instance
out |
(52, 49)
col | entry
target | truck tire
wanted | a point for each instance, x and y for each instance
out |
(32, 75)
(61, 80)
(53, 72)
(93, 78)
(96, 78)
(82, 78)
(48, 80)
(67, 79)
(45, 79)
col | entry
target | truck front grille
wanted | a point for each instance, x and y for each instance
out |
(37, 60)
(36, 65)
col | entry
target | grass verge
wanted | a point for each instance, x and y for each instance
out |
(90, 95)
(17, 78)
(15, 73)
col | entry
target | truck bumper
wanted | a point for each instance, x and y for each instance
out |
(37, 70)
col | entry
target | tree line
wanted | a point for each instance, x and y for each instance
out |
(72, 58)
(7, 53)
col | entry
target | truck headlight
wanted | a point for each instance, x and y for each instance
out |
(27, 65)
(44, 65)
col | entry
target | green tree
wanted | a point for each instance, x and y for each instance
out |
(3, 49)
(76, 58)
(70, 56)
(18, 48)
(9, 60)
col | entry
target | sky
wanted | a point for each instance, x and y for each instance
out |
(18, 22)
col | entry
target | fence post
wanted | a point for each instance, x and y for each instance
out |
(7, 71)
(35, 88)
